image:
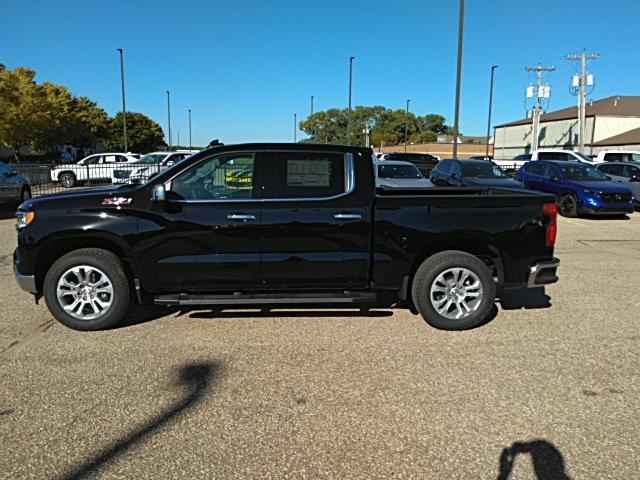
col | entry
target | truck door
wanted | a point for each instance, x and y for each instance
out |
(315, 221)
(206, 236)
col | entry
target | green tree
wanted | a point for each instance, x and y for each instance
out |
(21, 114)
(143, 133)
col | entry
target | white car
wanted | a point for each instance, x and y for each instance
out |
(148, 166)
(617, 156)
(394, 173)
(511, 165)
(98, 167)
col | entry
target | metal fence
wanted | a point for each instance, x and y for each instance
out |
(53, 178)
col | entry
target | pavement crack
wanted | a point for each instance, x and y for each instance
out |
(27, 339)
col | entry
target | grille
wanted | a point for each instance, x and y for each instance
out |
(616, 197)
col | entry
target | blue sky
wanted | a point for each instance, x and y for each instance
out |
(244, 67)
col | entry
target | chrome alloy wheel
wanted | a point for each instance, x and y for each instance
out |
(456, 293)
(85, 292)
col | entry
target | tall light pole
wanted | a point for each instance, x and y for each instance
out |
(493, 70)
(169, 117)
(312, 97)
(406, 127)
(350, 96)
(295, 128)
(456, 122)
(124, 102)
(189, 129)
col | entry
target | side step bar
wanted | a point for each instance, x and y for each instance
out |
(348, 298)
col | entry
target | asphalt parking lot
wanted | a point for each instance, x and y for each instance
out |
(532, 394)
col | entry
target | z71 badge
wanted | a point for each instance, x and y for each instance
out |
(116, 201)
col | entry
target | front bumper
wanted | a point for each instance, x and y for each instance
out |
(543, 273)
(607, 209)
(26, 282)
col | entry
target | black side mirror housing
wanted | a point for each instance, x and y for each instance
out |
(159, 194)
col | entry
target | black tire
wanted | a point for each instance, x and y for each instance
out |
(108, 263)
(569, 205)
(426, 275)
(67, 179)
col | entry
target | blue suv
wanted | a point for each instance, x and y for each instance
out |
(579, 188)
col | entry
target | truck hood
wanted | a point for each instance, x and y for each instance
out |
(85, 196)
(604, 186)
(494, 182)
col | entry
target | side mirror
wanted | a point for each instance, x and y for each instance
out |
(455, 175)
(608, 177)
(556, 179)
(159, 194)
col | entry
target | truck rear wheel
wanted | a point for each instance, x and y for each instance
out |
(454, 290)
(67, 180)
(87, 289)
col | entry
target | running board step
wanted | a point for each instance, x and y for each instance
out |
(267, 299)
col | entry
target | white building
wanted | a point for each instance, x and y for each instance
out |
(611, 123)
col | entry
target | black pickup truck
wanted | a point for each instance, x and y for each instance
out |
(282, 224)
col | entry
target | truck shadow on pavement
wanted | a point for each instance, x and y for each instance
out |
(268, 312)
(548, 462)
(195, 378)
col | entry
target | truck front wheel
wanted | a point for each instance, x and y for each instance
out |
(87, 289)
(454, 290)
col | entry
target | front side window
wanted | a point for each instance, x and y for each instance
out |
(612, 169)
(152, 158)
(93, 160)
(537, 169)
(444, 167)
(223, 177)
(4, 168)
(631, 171)
(304, 175)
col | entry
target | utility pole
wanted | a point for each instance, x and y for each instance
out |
(189, 129)
(350, 92)
(124, 103)
(406, 127)
(541, 91)
(312, 97)
(580, 83)
(493, 70)
(456, 123)
(367, 131)
(295, 128)
(178, 144)
(169, 117)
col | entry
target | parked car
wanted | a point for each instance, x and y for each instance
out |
(392, 173)
(471, 173)
(624, 172)
(424, 161)
(148, 166)
(312, 230)
(617, 156)
(97, 167)
(13, 186)
(513, 165)
(579, 188)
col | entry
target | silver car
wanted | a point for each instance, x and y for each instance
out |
(624, 172)
(398, 174)
(13, 186)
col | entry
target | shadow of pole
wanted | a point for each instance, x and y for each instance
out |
(197, 377)
(548, 463)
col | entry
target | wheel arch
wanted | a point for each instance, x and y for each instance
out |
(58, 246)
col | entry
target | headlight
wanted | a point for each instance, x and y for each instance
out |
(24, 219)
(591, 192)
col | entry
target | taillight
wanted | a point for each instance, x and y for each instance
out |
(551, 211)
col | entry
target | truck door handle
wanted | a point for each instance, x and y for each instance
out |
(241, 216)
(347, 216)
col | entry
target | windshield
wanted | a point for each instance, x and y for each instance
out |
(482, 170)
(582, 173)
(398, 171)
(152, 158)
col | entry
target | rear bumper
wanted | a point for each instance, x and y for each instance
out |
(543, 273)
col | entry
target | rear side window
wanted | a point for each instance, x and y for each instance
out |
(304, 175)
(612, 169)
(631, 171)
(537, 169)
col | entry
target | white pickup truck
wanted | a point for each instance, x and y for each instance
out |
(514, 164)
(97, 167)
(617, 156)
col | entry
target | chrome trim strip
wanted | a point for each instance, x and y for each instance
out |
(539, 267)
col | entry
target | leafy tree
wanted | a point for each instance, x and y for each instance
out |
(21, 113)
(143, 133)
